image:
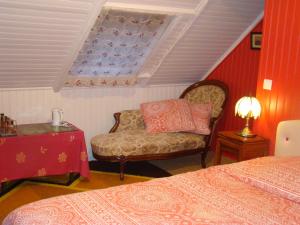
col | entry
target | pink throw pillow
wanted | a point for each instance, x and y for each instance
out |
(167, 116)
(201, 114)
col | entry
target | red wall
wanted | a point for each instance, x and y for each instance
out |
(280, 62)
(239, 70)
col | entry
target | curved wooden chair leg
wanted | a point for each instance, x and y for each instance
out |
(122, 168)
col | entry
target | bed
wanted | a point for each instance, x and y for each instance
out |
(260, 191)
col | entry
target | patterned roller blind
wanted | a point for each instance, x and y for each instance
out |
(119, 43)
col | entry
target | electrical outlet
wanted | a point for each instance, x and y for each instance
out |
(267, 84)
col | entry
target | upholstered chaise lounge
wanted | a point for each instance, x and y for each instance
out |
(128, 139)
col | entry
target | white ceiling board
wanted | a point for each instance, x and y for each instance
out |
(39, 39)
(36, 38)
(43, 14)
(216, 29)
(47, 5)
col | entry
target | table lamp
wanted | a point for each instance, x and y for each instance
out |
(247, 107)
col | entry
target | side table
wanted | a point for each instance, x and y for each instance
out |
(242, 148)
(39, 150)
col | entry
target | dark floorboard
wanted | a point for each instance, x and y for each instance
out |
(141, 168)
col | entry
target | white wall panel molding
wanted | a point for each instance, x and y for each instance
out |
(91, 109)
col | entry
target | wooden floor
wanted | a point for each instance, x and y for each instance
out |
(186, 164)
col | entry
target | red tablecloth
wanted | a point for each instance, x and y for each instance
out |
(42, 155)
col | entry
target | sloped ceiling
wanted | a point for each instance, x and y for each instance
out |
(39, 39)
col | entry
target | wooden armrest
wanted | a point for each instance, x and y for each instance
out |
(128, 120)
(212, 125)
(117, 122)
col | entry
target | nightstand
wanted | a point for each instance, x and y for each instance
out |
(243, 148)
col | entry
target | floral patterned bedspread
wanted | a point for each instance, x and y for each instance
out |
(259, 191)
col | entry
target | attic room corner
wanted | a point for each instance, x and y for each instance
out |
(149, 112)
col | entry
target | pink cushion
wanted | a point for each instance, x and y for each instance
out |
(201, 114)
(167, 116)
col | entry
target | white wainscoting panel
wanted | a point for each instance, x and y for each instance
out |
(91, 109)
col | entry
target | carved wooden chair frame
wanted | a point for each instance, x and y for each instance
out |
(208, 138)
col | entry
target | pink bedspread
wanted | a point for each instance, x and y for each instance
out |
(260, 191)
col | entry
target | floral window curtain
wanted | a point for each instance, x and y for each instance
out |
(117, 47)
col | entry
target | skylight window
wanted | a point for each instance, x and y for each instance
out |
(119, 44)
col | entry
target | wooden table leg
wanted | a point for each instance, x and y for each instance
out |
(123, 161)
(8, 186)
(217, 156)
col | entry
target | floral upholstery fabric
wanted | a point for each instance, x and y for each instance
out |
(208, 94)
(139, 142)
(131, 120)
(132, 139)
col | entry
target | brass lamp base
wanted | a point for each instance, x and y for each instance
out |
(246, 133)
